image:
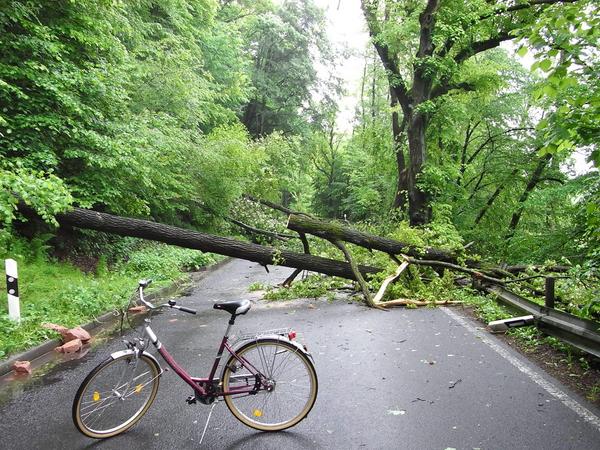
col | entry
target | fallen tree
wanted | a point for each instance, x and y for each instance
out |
(332, 231)
(303, 224)
(145, 229)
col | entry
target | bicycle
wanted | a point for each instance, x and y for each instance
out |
(268, 383)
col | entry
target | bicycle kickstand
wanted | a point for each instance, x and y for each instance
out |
(208, 420)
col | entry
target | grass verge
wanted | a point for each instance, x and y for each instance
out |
(59, 292)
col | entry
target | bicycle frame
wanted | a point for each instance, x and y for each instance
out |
(195, 382)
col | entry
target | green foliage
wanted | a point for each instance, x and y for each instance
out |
(109, 101)
(280, 174)
(256, 286)
(314, 286)
(565, 43)
(46, 193)
(164, 262)
(288, 39)
(60, 293)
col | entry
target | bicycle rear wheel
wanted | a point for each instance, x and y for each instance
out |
(292, 381)
(115, 395)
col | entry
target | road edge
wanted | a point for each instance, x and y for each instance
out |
(587, 411)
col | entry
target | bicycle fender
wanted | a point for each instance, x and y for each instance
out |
(301, 348)
(131, 352)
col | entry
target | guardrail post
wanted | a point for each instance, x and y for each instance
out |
(12, 290)
(550, 297)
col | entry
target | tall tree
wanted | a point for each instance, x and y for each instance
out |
(122, 104)
(423, 45)
(285, 45)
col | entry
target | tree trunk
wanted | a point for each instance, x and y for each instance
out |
(335, 232)
(398, 129)
(533, 181)
(146, 229)
(419, 210)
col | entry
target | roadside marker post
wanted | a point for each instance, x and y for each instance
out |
(12, 290)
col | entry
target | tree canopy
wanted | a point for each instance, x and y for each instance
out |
(175, 110)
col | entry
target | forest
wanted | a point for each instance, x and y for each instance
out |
(476, 132)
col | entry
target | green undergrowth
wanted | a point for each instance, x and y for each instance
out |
(313, 286)
(59, 292)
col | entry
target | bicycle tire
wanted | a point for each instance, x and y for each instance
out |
(115, 395)
(295, 385)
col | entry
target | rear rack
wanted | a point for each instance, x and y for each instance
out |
(245, 336)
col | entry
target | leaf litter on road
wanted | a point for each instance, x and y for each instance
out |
(454, 383)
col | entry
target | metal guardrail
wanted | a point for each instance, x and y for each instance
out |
(581, 333)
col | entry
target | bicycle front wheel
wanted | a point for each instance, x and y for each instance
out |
(115, 395)
(291, 388)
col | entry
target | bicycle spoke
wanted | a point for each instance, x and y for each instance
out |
(287, 394)
(124, 387)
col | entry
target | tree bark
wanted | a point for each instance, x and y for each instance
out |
(335, 232)
(398, 129)
(145, 229)
(419, 211)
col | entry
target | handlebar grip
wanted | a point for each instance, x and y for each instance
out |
(187, 310)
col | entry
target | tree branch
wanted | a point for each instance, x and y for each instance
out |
(252, 230)
(494, 136)
(272, 205)
(427, 22)
(444, 88)
(530, 4)
(391, 67)
(481, 46)
(474, 273)
(449, 44)
(359, 278)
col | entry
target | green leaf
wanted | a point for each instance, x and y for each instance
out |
(542, 124)
(546, 65)
(549, 90)
(522, 51)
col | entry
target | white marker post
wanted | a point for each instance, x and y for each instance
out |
(12, 289)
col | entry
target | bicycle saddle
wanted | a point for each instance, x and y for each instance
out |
(235, 307)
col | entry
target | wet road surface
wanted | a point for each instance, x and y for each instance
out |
(404, 379)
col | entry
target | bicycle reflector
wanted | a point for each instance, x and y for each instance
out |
(292, 335)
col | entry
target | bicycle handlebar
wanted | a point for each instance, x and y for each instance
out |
(170, 303)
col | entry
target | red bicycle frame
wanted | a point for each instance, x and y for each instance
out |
(196, 383)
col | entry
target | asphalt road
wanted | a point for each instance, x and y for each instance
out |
(404, 379)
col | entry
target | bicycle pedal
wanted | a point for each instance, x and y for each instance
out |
(191, 399)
